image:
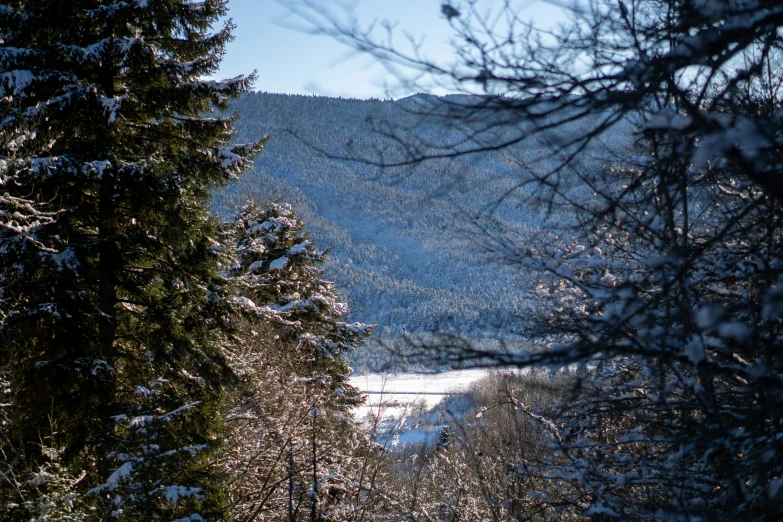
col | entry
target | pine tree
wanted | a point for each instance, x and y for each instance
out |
(279, 278)
(109, 271)
(292, 439)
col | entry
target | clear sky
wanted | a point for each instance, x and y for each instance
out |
(290, 61)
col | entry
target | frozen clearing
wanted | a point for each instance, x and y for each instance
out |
(402, 401)
(393, 391)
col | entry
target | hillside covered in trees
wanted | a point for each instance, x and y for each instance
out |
(406, 241)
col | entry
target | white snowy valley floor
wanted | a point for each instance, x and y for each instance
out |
(403, 403)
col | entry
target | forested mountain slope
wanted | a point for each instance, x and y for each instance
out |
(404, 242)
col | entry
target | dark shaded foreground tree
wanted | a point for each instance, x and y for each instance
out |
(113, 329)
(668, 288)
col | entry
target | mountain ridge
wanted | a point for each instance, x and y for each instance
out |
(405, 248)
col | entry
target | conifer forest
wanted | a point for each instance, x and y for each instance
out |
(554, 293)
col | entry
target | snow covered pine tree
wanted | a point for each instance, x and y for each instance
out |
(292, 443)
(108, 265)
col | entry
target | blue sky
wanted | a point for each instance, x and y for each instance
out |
(289, 61)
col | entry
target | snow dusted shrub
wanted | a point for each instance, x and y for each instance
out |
(48, 494)
(45, 491)
(480, 474)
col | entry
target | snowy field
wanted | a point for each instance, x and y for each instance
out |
(403, 402)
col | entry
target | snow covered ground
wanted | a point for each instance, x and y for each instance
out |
(403, 402)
